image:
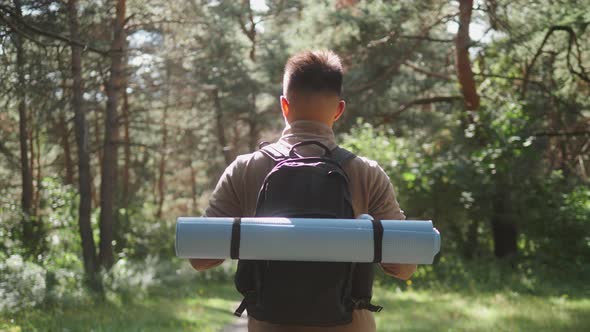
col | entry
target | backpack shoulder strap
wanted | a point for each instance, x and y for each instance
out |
(278, 152)
(275, 151)
(341, 155)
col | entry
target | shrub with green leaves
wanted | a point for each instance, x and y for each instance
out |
(22, 284)
(453, 186)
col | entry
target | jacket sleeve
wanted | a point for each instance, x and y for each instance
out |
(225, 199)
(224, 202)
(382, 201)
(383, 205)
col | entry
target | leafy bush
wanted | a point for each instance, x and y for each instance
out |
(145, 255)
(22, 284)
(132, 279)
(454, 187)
(142, 235)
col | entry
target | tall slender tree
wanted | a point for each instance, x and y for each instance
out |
(164, 145)
(462, 61)
(91, 267)
(111, 128)
(26, 172)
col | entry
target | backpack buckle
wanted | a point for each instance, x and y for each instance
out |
(240, 309)
(365, 304)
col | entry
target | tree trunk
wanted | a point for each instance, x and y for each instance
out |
(31, 142)
(227, 154)
(63, 127)
(97, 142)
(65, 140)
(193, 180)
(65, 132)
(109, 167)
(26, 172)
(250, 32)
(39, 177)
(91, 267)
(253, 138)
(126, 148)
(472, 240)
(462, 62)
(503, 229)
(163, 157)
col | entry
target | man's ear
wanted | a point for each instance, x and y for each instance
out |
(285, 106)
(340, 111)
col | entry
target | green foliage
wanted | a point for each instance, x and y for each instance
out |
(452, 185)
(140, 239)
(56, 276)
(202, 72)
(22, 284)
(57, 272)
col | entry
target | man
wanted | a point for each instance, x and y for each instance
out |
(311, 103)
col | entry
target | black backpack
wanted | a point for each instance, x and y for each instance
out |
(304, 293)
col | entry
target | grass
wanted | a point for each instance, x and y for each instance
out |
(207, 306)
(503, 311)
(201, 307)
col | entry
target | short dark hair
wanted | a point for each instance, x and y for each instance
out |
(313, 72)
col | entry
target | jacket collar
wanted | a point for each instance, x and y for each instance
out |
(305, 130)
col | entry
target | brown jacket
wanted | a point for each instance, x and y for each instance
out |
(236, 193)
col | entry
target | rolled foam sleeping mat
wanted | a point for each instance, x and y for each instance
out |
(307, 239)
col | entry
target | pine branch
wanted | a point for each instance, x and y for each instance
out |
(32, 28)
(420, 101)
(571, 42)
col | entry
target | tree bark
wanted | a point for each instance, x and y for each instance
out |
(503, 229)
(31, 142)
(163, 149)
(227, 154)
(462, 62)
(109, 167)
(472, 240)
(26, 172)
(91, 267)
(39, 176)
(252, 121)
(127, 148)
(63, 124)
(31, 147)
(65, 141)
(250, 32)
(97, 142)
(193, 180)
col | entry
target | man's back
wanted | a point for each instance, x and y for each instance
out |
(237, 192)
(310, 104)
